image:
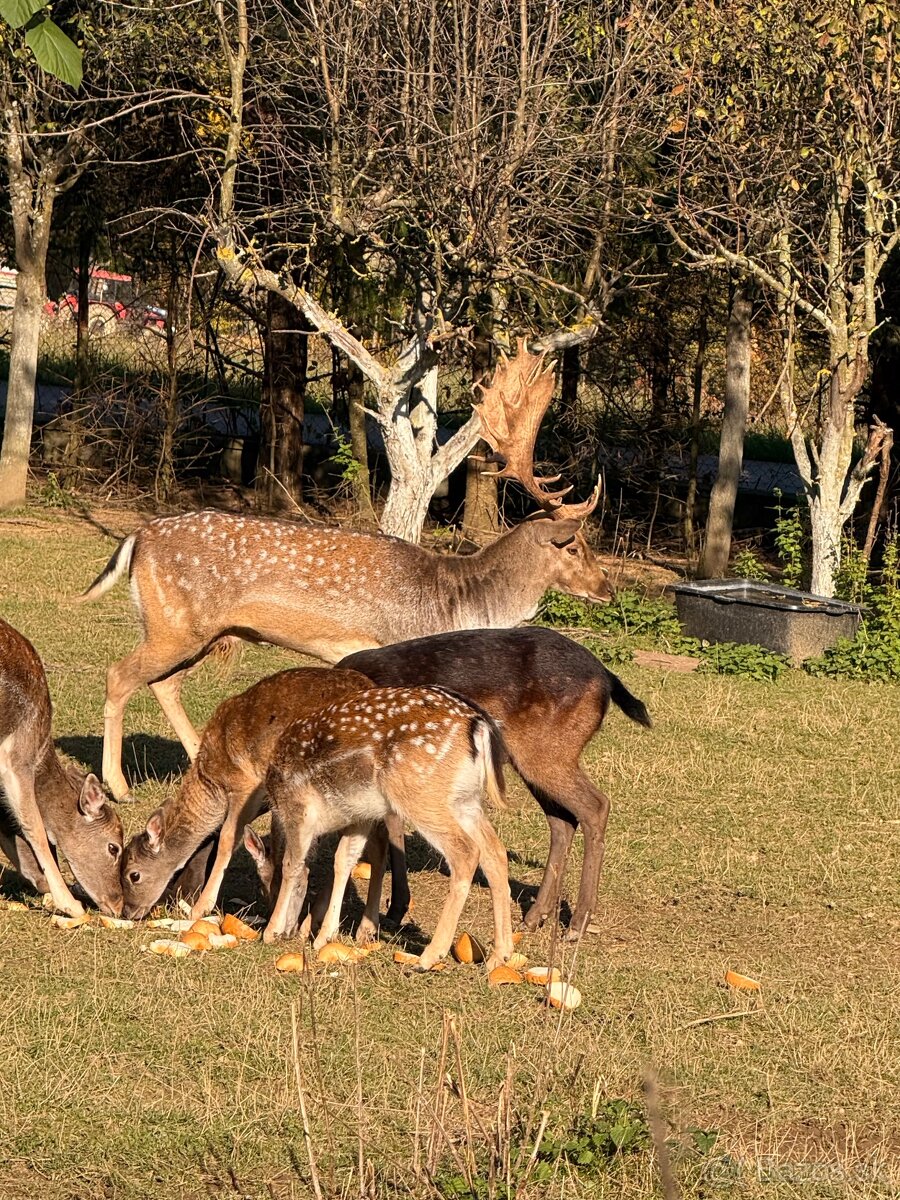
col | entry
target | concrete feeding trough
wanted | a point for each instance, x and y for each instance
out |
(794, 623)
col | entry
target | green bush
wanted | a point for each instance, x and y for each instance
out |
(748, 565)
(874, 654)
(650, 622)
(748, 661)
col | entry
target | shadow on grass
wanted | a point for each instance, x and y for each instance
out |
(145, 756)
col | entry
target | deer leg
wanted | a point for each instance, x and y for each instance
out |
(562, 831)
(122, 680)
(496, 868)
(19, 788)
(400, 897)
(376, 854)
(461, 853)
(350, 847)
(294, 880)
(168, 694)
(237, 816)
(592, 812)
(22, 858)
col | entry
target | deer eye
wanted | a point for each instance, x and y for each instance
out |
(571, 549)
(134, 877)
(114, 848)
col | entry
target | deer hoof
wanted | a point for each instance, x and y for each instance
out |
(367, 932)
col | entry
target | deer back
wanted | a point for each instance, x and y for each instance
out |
(403, 750)
(329, 592)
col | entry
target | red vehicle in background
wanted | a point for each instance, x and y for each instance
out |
(111, 301)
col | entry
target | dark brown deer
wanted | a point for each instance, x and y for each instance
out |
(223, 788)
(548, 696)
(413, 754)
(47, 802)
(198, 578)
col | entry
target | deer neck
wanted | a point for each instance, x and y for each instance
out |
(495, 588)
(56, 797)
(192, 815)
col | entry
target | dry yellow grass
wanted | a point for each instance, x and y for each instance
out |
(756, 828)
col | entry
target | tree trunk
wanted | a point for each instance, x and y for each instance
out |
(716, 552)
(481, 514)
(82, 335)
(359, 445)
(23, 359)
(690, 501)
(165, 470)
(284, 395)
(826, 523)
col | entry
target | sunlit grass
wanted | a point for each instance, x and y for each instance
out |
(756, 827)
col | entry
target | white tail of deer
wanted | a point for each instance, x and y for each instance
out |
(48, 802)
(418, 754)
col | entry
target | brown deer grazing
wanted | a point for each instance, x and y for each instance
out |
(46, 801)
(223, 787)
(549, 697)
(328, 592)
(416, 754)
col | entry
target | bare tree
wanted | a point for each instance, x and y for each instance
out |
(783, 161)
(454, 150)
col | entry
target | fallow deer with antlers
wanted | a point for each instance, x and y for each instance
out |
(204, 576)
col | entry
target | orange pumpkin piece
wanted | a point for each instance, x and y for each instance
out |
(291, 963)
(467, 949)
(242, 931)
(563, 995)
(541, 976)
(736, 980)
(503, 974)
(362, 870)
(196, 941)
(205, 927)
(70, 922)
(337, 952)
(169, 949)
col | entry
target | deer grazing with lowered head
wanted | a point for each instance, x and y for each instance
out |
(222, 790)
(49, 805)
(420, 755)
(205, 576)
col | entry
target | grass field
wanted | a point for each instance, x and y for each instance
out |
(756, 828)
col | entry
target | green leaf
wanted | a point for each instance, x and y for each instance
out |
(19, 12)
(55, 51)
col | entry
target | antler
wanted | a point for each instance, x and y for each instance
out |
(511, 410)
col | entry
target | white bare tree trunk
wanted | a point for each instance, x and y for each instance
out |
(23, 357)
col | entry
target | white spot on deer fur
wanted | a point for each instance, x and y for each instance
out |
(178, 558)
(429, 748)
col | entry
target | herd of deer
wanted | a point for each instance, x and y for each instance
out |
(400, 732)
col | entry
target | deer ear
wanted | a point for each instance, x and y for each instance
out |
(91, 799)
(254, 845)
(156, 827)
(559, 533)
